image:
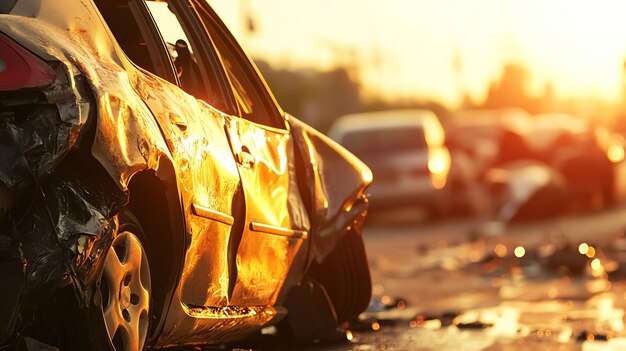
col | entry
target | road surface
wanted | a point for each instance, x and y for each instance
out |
(460, 285)
(477, 285)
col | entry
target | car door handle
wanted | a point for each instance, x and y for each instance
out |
(178, 121)
(245, 158)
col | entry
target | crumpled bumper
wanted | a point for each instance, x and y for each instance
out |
(56, 241)
(57, 204)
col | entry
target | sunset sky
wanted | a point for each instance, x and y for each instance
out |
(438, 48)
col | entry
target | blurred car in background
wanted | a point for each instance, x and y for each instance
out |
(481, 134)
(478, 141)
(536, 166)
(405, 150)
(573, 147)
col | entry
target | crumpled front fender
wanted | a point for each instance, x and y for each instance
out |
(337, 181)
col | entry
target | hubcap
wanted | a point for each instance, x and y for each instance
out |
(125, 297)
(125, 288)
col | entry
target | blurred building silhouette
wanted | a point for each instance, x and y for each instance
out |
(510, 90)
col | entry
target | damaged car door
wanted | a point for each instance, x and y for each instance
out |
(194, 131)
(276, 221)
(276, 225)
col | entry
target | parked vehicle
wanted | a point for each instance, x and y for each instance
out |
(572, 147)
(406, 152)
(488, 136)
(152, 191)
(540, 166)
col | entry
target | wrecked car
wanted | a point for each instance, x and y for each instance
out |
(152, 191)
(538, 167)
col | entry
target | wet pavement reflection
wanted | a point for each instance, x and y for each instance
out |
(472, 284)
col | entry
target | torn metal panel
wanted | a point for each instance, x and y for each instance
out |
(78, 39)
(72, 149)
(338, 181)
(56, 239)
(56, 235)
(57, 214)
(38, 129)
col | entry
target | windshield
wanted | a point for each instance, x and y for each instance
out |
(6, 6)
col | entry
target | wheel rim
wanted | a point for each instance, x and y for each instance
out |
(126, 288)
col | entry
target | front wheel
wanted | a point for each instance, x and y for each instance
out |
(332, 293)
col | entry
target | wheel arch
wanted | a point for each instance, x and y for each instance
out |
(155, 200)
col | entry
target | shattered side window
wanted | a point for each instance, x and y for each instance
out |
(6, 6)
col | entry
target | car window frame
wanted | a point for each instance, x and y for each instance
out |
(163, 64)
(213, 75)
(156, 47)
(276, 114)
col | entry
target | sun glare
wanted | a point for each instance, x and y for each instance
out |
(441, 49)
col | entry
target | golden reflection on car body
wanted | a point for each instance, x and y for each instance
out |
(236, 204)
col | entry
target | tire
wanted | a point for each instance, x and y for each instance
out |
(117, 319)
(345, 276)
(332, 293)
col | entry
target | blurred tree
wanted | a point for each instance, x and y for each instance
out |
(511, 90)
(319, 97)
(316, 97)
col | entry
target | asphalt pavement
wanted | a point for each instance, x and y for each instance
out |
(477, 284)
(558, 284)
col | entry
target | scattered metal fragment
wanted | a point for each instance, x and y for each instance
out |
(586, 335)
(567, 260)
(385, 303)
(446, 318)
(473, 325)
